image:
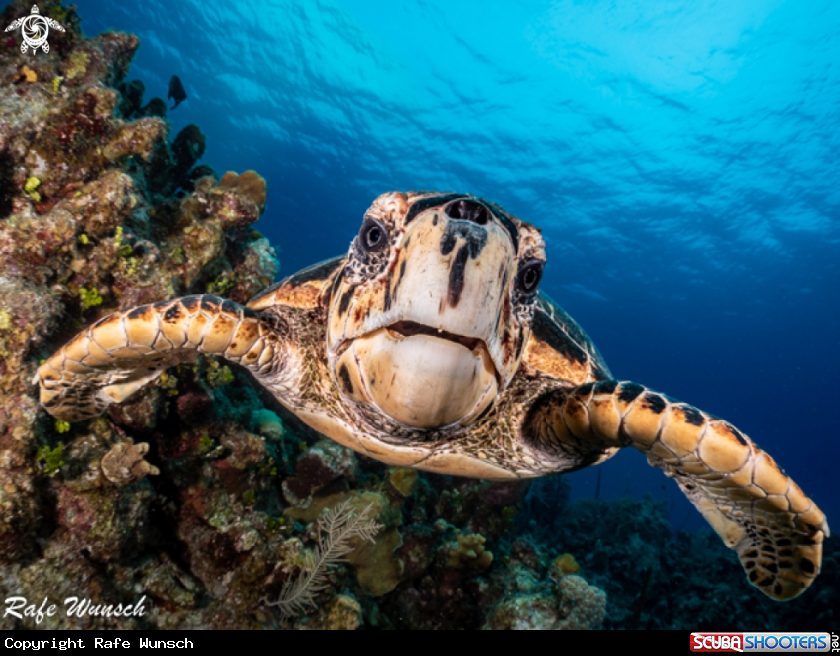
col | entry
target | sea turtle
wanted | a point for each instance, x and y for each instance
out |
(430, 346)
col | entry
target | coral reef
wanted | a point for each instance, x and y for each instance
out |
(124, 464)
(199, 499)
(577, 606)
(694, 580)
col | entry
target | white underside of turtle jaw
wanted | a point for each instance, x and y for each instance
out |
(419, 380)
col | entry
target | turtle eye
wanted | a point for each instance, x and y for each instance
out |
(373, 236)
(529, 275)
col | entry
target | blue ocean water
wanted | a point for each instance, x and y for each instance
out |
(680, 158)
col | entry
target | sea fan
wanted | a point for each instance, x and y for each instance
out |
(335, 529)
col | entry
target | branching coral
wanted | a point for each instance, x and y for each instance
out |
(335, 529)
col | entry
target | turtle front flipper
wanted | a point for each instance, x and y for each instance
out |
(121, 353)
(740, 490)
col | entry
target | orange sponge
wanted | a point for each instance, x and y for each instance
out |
(563, 565)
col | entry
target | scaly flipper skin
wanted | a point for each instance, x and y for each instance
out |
(740, 490)
(126, 350)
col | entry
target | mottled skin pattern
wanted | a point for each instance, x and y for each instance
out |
(552, 403)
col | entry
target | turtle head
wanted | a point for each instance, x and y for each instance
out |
(429, 317)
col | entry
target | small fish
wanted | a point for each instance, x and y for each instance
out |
(176, 91)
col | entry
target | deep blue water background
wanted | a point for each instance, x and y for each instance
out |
(681, 160)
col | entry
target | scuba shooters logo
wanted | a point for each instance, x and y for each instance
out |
(34, 29)
(791, 642)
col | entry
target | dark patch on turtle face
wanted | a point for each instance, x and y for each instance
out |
(772, 568)
(787, 553)
(520, 342)
(387, 302)
(654, 402)
(605, 387)
(693, 416)
(344, 377)
(338, 278)
(499, 316)
(344, 302)
(398, 280)
(173, 314)
(807, 566)
(764, 583)
(752, 553)
(629, 392)
(456, 276)
(473, 234)
(426, 203)
(191, 303)
(777, 588)
(784, 542)
(357, 314)
(753, 576)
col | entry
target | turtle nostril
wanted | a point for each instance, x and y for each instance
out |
(467, 210)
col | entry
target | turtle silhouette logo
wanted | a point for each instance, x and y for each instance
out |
(34, 29)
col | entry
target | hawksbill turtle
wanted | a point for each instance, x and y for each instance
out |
(429, 345)
(35, 29)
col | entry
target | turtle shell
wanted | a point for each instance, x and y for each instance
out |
(560, 348)
(303, 289)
